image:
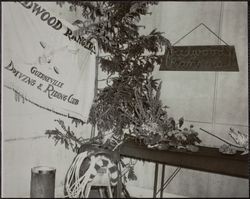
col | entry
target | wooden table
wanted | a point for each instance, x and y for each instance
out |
(206, 159)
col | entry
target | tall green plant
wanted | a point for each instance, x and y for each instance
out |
(130, 102)
(130, 58)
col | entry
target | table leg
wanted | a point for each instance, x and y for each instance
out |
(155, 180)
(162, 180)
(165, 184)
(119, 183)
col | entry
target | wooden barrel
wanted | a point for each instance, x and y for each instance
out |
(42, 182)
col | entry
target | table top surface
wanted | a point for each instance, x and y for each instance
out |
(207, 159)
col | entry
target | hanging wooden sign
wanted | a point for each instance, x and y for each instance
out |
(200, 58)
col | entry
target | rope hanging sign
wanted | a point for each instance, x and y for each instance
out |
(200, 58)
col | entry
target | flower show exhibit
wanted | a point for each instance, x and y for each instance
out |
(144, 99)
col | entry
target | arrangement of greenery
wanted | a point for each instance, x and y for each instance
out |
(129, 107)
(241, 142)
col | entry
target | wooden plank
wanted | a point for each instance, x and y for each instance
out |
(206, 159)
(200, 58)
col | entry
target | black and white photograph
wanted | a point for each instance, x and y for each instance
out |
(124, 99)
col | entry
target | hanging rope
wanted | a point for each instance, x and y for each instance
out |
(216, 76)
(76, 181)
(201, 24)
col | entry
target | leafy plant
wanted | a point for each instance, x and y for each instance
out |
(129, 61)
(183, 138)
(240, 139)
(128, 170)
(130, 103)
(67, 138)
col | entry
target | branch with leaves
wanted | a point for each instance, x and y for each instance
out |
(128, 170)
(68, 138)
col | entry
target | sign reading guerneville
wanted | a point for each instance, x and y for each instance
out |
(47, 68)
(43, 83)
(201, 58)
